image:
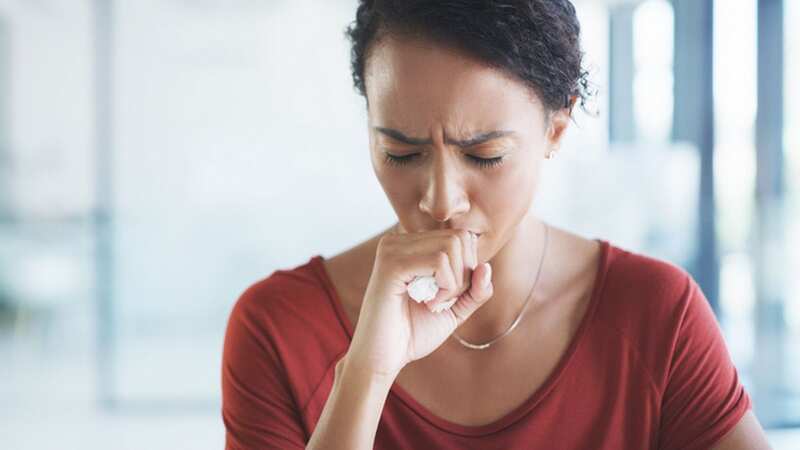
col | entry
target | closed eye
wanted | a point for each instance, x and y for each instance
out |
(480, 162)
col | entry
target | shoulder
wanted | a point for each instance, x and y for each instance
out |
(641, 287)
(283, 330)
(279, 341)
(290, 307)
(645, 304)
(281, 288)
(655, 335)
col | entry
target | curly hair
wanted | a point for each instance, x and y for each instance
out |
(536, 41)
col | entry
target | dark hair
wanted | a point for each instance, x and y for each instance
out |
(536, 41)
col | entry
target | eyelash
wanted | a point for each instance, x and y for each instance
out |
(484, 163)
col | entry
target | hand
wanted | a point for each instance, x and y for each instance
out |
(393, 329)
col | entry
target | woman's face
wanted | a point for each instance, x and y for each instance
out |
(470, 140)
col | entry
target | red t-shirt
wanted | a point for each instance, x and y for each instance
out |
(647, 368)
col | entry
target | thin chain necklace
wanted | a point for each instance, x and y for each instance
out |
(516, 321)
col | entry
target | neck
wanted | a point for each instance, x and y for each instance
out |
(514, 269)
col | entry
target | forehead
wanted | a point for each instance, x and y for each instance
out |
(415, 82)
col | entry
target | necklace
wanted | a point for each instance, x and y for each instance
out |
(516, 321)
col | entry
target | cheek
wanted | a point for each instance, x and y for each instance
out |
(398, 183)
(510, 192)
(398, 186)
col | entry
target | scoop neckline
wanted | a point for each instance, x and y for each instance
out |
(525, 407)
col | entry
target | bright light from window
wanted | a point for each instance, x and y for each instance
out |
(653, 79)
(735, 70)
(791, 135)
(652, 28)
(735, 101)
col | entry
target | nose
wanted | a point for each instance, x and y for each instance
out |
(445, 196)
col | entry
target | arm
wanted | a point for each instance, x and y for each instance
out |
(350, 417)
(746, 435)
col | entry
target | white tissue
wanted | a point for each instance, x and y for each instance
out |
(422, 289)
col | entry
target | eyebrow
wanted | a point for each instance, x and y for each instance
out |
(464, 143)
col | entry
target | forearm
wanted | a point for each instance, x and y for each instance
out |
(350, 417)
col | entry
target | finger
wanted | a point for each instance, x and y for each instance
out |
(465, 240)
(444, 276)
(416, 235)
(455, 250)
(478, 294)
(413, 235)
(473, 250)
(459, 260)
(420, 262)
(447, 288)
(459, 244)
(451, 244)
(430, 241)
(468, 260)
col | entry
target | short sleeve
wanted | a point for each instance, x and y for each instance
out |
(703, 398)
(258, 409)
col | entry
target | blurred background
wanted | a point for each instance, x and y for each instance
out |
(159, 156)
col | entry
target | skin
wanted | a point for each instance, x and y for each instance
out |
(437, 95)
(417, 89)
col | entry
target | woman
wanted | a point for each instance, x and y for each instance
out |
(615, 350)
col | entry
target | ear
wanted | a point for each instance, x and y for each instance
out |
(559, 121)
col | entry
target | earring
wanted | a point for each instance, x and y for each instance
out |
(551, 155)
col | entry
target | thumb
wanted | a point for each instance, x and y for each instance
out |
(477, 295)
